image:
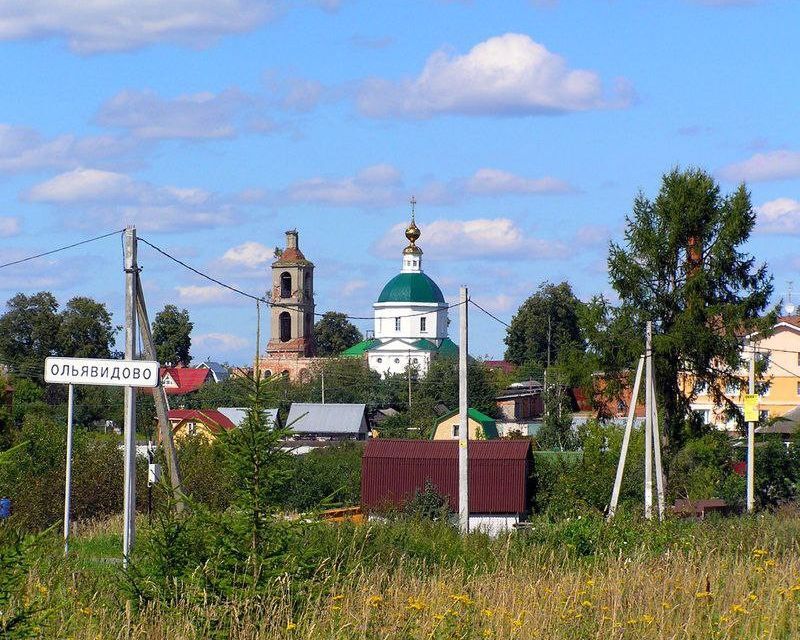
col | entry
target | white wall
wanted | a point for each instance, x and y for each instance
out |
(435, 315)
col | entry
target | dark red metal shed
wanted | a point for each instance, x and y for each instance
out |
(499, 473)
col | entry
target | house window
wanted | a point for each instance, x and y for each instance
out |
(732, 388)
(397, 324)
(700, 387)
(455, 431)
(285, 324)
(798, 388)
(763, 415)
(191, 428)
(423, 322)
(286, 285)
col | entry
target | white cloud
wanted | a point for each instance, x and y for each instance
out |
(477, 238)
(375, 186)
(496, 182)
(118, 199)
(118, 25)
(505, 75)
(249, 254)
(779, 216)
(25, 149)
(204, 294)
(771, 165)
(9, 226)
(593, 235)
(352, 287)
(147, 115)
(219, 342)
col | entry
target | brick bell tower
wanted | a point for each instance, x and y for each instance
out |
(292, 295)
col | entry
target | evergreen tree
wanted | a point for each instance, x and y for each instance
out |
(333, 333)
(682, 267)
(172, 331)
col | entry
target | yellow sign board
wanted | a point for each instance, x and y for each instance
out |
(751, 407)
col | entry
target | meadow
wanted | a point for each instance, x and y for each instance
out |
(409, 578)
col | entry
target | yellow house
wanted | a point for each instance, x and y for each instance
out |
(481, 426)
(779, 384)
(206, 423)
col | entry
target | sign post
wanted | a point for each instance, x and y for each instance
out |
(103, 372)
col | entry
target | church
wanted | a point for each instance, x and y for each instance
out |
(410, 317)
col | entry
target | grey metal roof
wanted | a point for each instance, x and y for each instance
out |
(308, 417)
(238, 414)
(219, 371)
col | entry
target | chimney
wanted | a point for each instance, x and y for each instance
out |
(292, 239)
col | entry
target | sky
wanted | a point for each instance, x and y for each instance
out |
(524, 129)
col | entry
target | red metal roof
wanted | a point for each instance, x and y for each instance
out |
(187, 379)
(213, 419)
(392, 470)
(503, 365)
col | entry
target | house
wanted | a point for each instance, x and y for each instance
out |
(779, 384)
(181, 380)
(333, 421)
(500, 487)
(207, 423)
(785, 426)
(521, 406)
(503, 366)
(481, 426)
(219, 372)
(237, 415)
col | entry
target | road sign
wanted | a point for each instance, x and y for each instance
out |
(751, 407)
(117, 373)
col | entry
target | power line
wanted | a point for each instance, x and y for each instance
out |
(265, 300)
(491, 315)
(52, 251)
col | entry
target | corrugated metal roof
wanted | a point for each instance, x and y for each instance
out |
(307, 417)
(392, 470)
(238, 414)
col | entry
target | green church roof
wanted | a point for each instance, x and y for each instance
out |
(359, 349)
(411, 287)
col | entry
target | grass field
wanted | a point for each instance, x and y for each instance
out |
(733, 578)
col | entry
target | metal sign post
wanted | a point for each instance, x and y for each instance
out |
(68, 479)
(104, 372)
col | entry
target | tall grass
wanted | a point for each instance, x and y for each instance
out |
(575, 579)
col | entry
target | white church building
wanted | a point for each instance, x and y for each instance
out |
(411, 319)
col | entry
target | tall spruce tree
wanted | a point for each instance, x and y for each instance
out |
(682, 266)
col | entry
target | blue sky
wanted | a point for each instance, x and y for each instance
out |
(524, 128)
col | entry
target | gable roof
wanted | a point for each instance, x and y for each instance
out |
(215, 420)
(218, 370)
(360, 348)
(187, 379)
(489, 425)
(237, 415)
(312, 417)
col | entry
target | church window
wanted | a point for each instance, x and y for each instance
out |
(379, 360)
(397, 360)
(286, 285)
(285, 323)
(397, 324)
(307, 285)
(416, 360)
(423, 322)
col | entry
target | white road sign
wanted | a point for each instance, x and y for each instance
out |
(117, 373)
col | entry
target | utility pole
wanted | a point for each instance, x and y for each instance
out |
(648, 425)
(159, 399)
(129, 409)
(751, 436)
(463, 417)
(409, 378)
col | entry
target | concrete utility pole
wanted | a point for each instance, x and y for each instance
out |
(159, 398)
(623, 454)
(660, 489)
(751, 437)
(648, 425)
(463, 417)
(409, 378)
(129, 409)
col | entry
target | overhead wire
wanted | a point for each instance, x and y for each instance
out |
(64, 248)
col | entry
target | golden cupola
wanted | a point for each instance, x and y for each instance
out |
(413, 233)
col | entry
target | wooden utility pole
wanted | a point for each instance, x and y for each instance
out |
(463, 416)
(648, 425)
(751, 437)
(160, 399)
(129, 409)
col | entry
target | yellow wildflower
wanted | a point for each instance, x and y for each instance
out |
(760, 552)
(488, 613)
(336, 608)
(752, 597)
(487, 633)
(647, 618)
(586, 603)
(463, 598)
(42, 589)
(86, 611)
(737, 608)
(516, 623)
(337, 597)
(374, 601)
(438, 617)
(415, 604)
(702, 594)
(291, 626)
(590, 583)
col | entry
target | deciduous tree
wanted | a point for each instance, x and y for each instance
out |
(334, 333)
(172, 331)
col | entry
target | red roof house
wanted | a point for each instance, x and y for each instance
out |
(206, 422)
(499, 474)
(179, 380)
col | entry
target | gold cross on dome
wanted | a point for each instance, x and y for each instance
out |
(413, 202)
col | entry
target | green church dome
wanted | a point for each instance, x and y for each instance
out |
(411, 287)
